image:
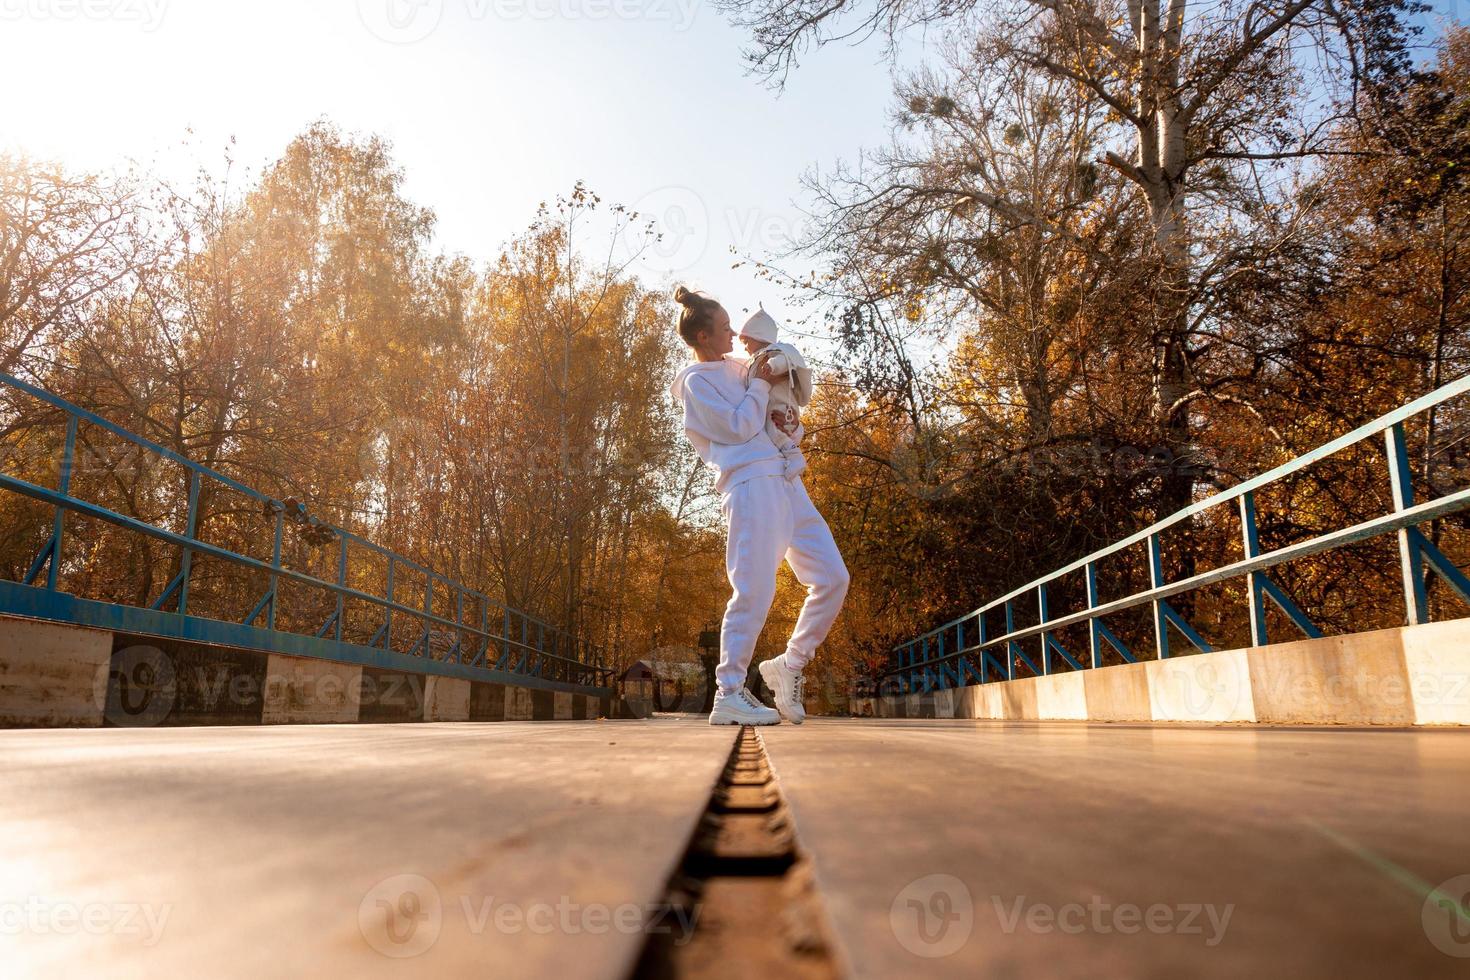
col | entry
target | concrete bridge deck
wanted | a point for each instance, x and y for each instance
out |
(947, 848)
(1061, 837)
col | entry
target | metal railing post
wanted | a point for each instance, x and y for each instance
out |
(1156, 580)
(428, 611)
(959, 646)
(1010, 657)
(186, 560)
(984, 666)
(342, 581)
(483, 655)
(1401, 479)
(1094, 628)
(458, 623)
(525, 656)
(58, 523)
(1255, 595)
(1041, 613)
(270, 609)
(939, 678)
(388, 619)
(924, 665)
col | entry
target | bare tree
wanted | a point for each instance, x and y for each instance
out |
(1207, 98)
(65, 241)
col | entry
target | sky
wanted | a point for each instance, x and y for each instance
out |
(492, 106)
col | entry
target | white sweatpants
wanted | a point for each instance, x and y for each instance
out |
(770, 518)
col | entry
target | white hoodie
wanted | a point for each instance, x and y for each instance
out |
(726, 422)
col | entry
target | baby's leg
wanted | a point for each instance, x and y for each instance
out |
(795, 461)
(789, 450)
(779, 437)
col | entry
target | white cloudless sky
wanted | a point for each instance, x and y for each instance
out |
(492, 106)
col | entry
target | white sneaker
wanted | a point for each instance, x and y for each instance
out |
(786, 684)
(741, 708)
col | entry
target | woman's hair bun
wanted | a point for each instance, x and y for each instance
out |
(698, 312)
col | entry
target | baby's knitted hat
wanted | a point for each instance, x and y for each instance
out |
(760, 326)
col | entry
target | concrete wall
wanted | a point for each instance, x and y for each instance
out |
(301, 690)
(1207, 687)
(55, 675)
(518, 704)
(487, 702)
(446, 699)
(52, 676)
(1437, 665)
(1414, 675)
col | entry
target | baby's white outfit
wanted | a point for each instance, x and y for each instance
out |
(790, 392)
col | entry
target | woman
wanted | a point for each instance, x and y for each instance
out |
(767, 515)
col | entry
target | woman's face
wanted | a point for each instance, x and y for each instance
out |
(717, 339)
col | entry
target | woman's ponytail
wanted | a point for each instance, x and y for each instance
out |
(697, 314)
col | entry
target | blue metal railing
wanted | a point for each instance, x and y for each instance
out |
(961, 652)
(500, 645)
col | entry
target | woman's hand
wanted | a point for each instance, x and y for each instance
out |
(763, 372)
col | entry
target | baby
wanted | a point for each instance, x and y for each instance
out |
(790, 392)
